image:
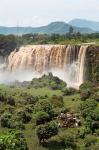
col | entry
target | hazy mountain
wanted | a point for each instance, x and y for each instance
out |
(54, 27)
(85, 23)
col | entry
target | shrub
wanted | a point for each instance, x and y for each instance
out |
(69, 143)
(44, 132)
(82, 134)
(90, 140)
(95, 126)
(11, 101)
(95, 114)
(97, 132)
(6, 121)
(69, 91)
(96, 97)
(19, 125)
(13, 140)
(42, 117)
(63, 141)
(57, 101)
(21, 115)
(3, 98)
(87, 107)
(87, 86)
(43, 105)
(85, 95)
(29, 109)
(53, 86)
(29, 99)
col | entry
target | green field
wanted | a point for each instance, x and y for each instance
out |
(28, 100)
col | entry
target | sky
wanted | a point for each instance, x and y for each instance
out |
(42, 12)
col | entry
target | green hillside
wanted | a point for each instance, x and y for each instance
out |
(31, 116)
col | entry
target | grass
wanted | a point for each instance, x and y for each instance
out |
(32, 91)
(72, 102)
(30, 131)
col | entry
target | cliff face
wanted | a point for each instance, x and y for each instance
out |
(92, 58)
(7, 44)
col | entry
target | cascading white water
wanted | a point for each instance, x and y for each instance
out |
(81, 62)
(66, 62)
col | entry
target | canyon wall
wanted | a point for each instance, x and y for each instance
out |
(92, 64)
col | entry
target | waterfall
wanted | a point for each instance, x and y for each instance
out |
(81, 62)
(66, 62)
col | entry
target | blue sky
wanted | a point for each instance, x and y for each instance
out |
(41, 12)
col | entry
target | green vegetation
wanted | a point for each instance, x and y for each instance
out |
(51, 82)
(13, 140)
(9, 42)
(30, 116)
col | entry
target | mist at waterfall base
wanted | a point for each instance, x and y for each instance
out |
(33, 61)
(67, 76)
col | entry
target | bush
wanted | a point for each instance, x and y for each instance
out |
(96, 97)
(44, 132)
(43, 105)
(29, 99)
(57, 101)
(42, 117)
(69, 143)
(21, 115)
(95, 126)
(87, 107)
(7, 99)
(90, 140)
(97, 132)
(29, 109)
(19, 125)
(69, 91)
(3, 97)
(85, 95)
(87, 86)
(13, 140)
(95, 114)
(63, 141)
(11, 101)
(6, 121)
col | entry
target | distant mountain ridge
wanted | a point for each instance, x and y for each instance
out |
(85, 24)
(54, 27)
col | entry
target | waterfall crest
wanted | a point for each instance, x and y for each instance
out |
(66, 62)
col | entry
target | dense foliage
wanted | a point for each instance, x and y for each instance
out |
(30, 115)
(9, 42)
(13, 140)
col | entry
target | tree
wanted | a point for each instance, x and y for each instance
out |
(71, 30)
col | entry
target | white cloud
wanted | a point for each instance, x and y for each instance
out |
(41, 12)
